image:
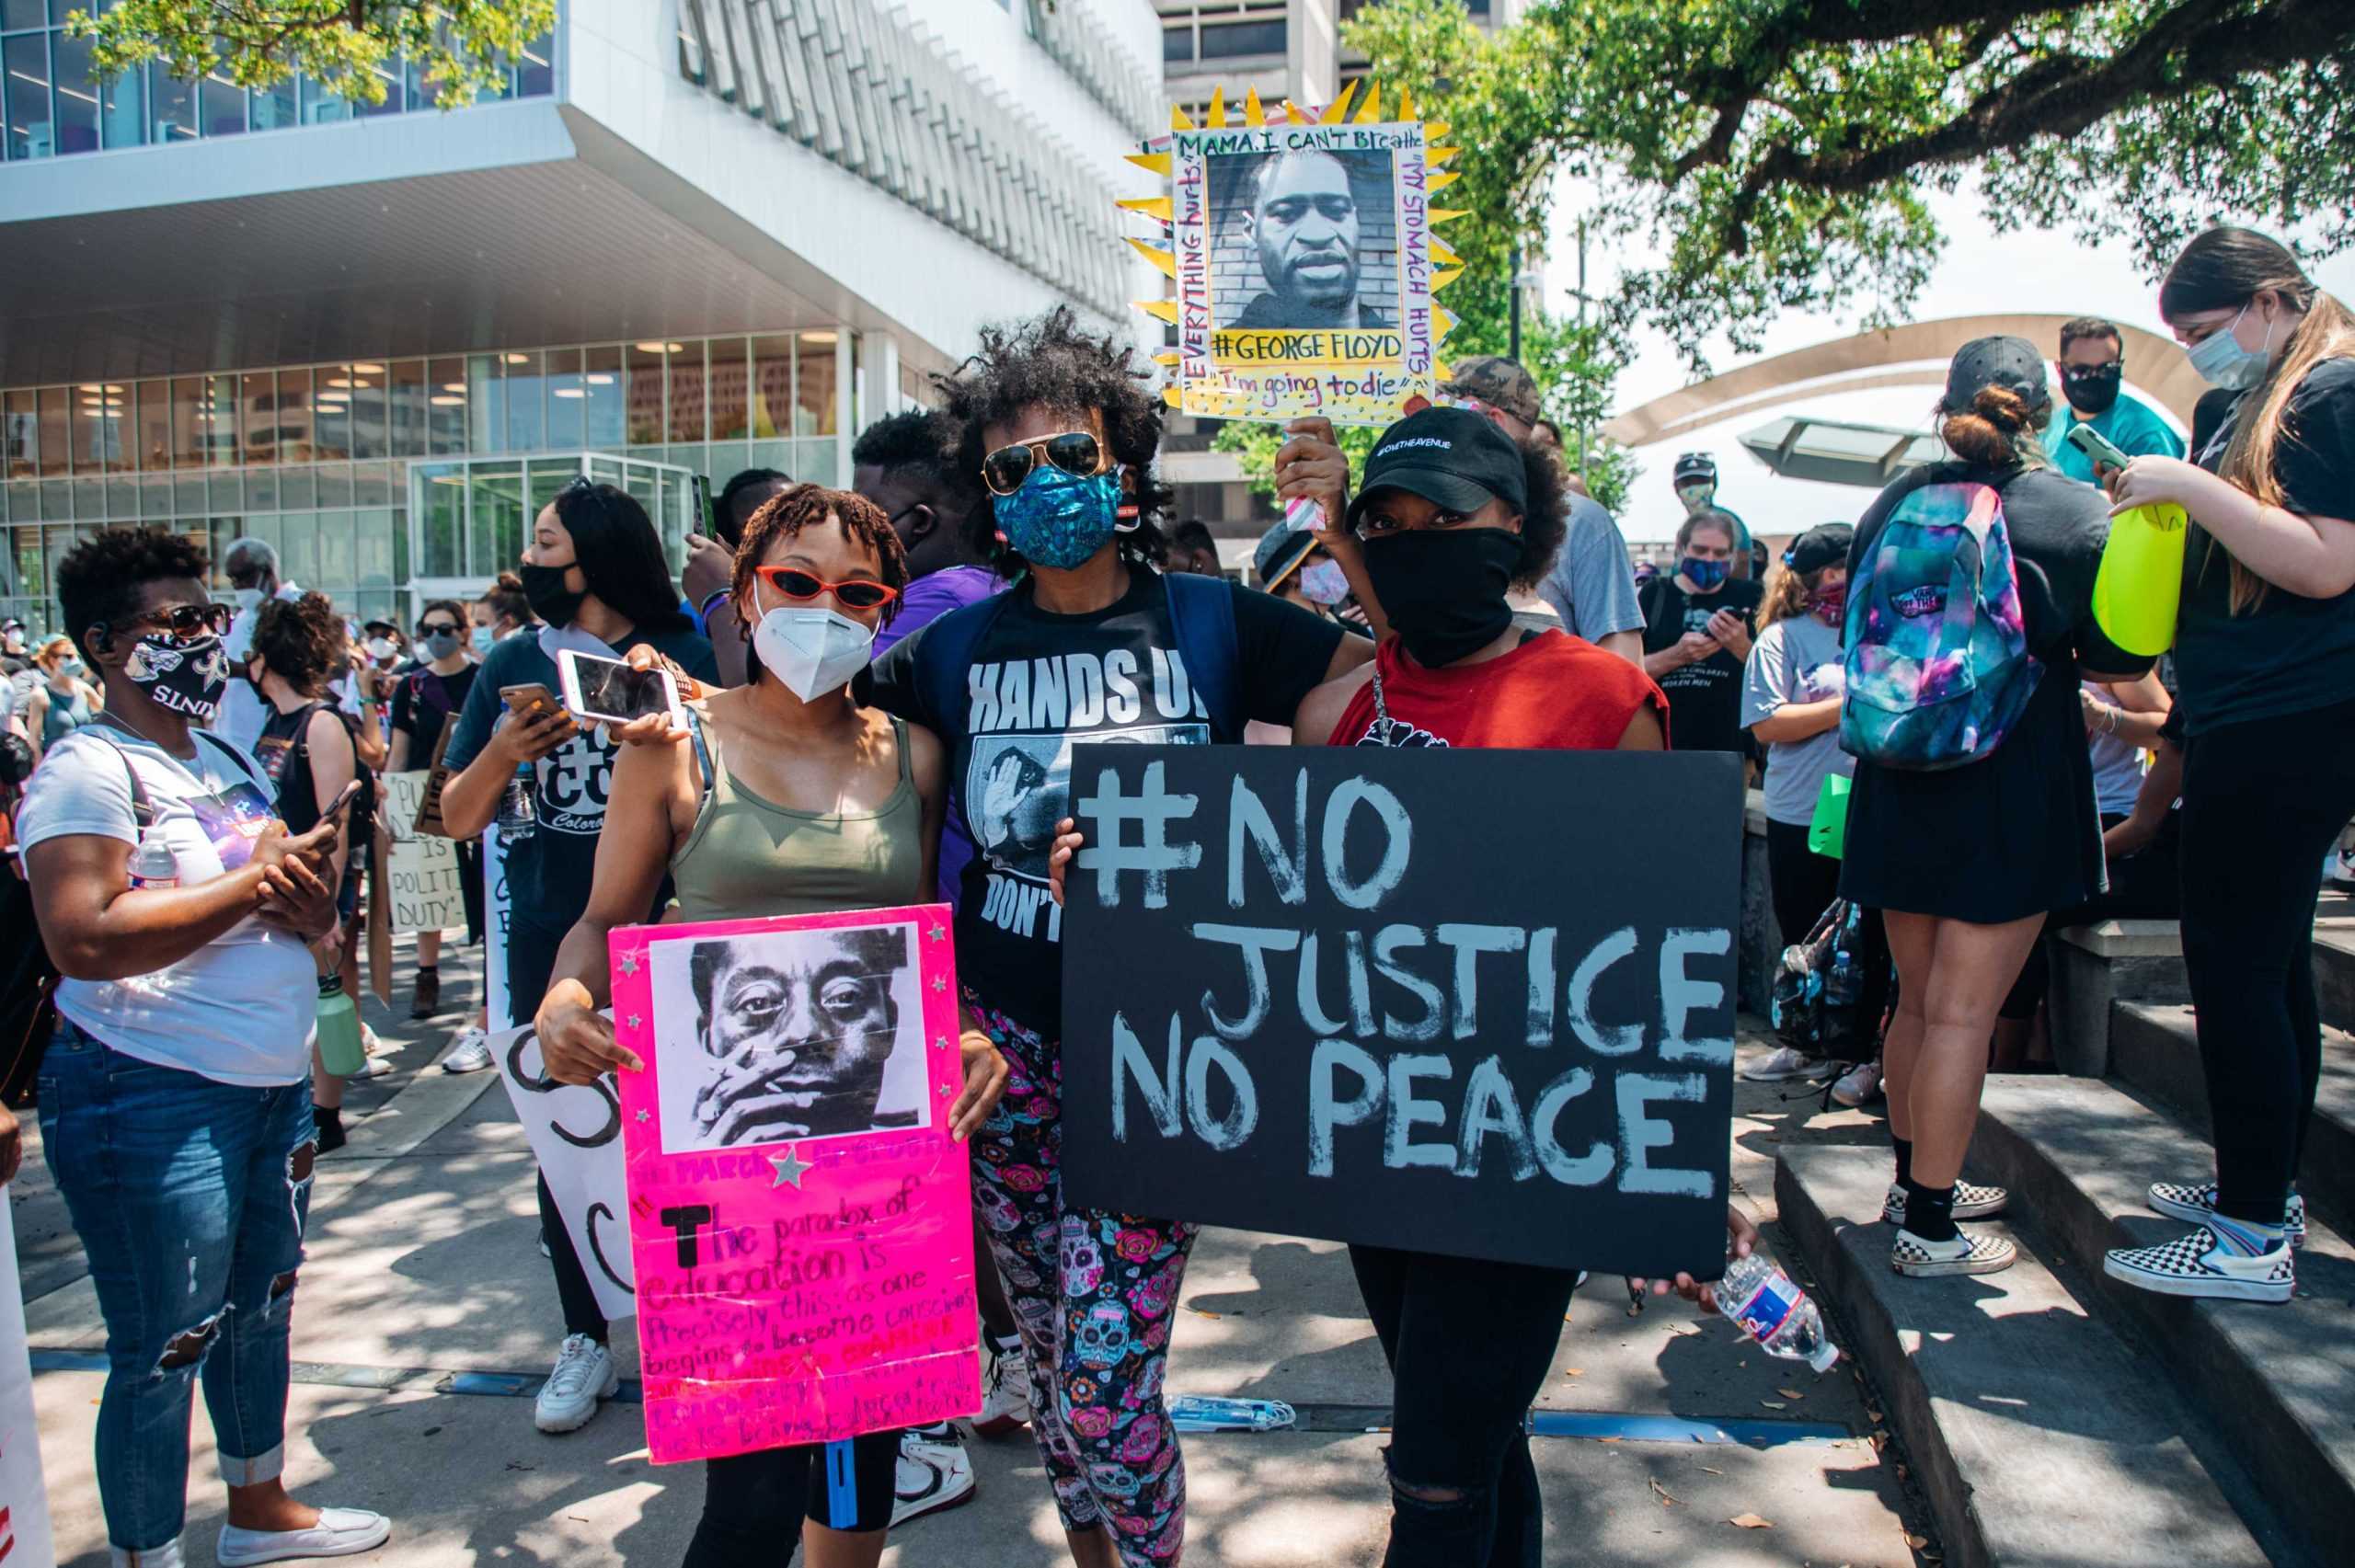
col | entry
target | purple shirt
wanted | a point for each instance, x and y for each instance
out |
(923, 601)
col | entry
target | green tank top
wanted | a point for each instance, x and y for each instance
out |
(749, 857)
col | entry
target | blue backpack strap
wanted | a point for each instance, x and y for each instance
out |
(944, 653)
(1201, 618)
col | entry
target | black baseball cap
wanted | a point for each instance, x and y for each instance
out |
(1694, 465)
(2009, 362)
(1819, 547)
(1451, 457)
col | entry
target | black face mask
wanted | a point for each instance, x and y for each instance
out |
(550, 600)
(1443, 590)
(2092, 391)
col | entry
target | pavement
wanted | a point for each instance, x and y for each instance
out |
(425, 1318)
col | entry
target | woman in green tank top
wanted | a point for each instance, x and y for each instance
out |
(782, 797)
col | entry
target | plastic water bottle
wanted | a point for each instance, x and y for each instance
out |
(341, 1051)
(152, 864)
(1212, 1412)
(519, 809)
(1775, 1312)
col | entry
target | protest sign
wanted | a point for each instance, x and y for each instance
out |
(422, 887)
(1301, 246)
(801, 1220)
(497, 916)
(1439, 999)
(24, 1495)
(575, 1132)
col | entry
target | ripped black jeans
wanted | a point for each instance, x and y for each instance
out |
(188, 1195)
(1468, 1344)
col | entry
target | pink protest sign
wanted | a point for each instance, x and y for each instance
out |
(801, 1220)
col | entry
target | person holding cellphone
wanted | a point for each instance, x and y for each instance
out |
(782, 797)
(2265, 666)
(595, 576)
(175, 1094)
(1697, 627)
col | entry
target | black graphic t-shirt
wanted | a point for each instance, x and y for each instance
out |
(1040, 682)
(1703, 697)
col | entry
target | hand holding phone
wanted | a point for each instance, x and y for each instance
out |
(537, 723)
(615, 692)
(2094, 445)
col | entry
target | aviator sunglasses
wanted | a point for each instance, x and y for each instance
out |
(186, 620)
(858, 593)
(1076, 453)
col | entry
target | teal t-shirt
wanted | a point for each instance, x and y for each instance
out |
(2128, 424)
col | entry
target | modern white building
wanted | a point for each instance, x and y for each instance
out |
(693, 236)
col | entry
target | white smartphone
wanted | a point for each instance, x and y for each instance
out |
(608, 691)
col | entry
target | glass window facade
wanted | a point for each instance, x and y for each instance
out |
(315, 458)
(53, 105)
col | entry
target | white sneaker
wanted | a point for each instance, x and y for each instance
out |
(2200, 1264)
(339, 1533)
(1981, 1253)
(1860, 1085)
(1971, 1202)
(470, 1054)
(1005, 1394)
(583, 1375)
(1784, 1062)
(933, 1473)
(2338, 870)
(2197, 1204)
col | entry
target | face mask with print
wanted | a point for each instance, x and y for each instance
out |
(2222, 361)
(813, 651)
(440, 645)
(1826, 604)
(1324, 583)
(182, 677)
(1697, 497)
(1058, 520)
(483, 638)
(1707, 575)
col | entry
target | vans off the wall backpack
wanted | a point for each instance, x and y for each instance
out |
(1938, 669)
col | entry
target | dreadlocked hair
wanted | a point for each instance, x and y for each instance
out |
(784, 515)
(1054, 363)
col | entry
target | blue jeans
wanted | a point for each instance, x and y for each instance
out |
(189, 1198)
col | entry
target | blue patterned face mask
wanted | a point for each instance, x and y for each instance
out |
(1058, 520)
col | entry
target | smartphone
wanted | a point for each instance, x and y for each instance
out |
(608, 691)
(342, 801)
(706, 520)
(526, 699)
(2092, 442)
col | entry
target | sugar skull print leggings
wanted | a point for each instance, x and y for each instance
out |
(1093, 1294)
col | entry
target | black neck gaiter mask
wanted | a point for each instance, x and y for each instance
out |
(1443, 590)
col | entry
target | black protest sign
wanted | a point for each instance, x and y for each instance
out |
(1465, 1002)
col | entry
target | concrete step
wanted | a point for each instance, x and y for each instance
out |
(2335, 972)
(2156, 1049)
(2038, 1434)
(2278, 1382)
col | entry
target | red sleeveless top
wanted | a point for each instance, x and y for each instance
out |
(1554, 693)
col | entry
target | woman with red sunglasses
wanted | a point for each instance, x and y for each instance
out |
(791, 799)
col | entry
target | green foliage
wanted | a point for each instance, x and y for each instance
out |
(463, 47)
(1787, 150)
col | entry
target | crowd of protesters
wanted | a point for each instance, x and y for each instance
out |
(191, 785)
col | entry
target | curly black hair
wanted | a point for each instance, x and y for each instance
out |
(302, 640)
(99, 579)
(1547, 521)
(916, 440)
(1054, 363)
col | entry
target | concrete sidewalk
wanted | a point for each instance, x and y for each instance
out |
(424, 1267)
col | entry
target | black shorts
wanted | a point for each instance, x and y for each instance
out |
(759, 1500)
(470, 886)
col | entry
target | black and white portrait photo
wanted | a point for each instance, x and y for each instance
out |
(1305, 240)
(778, 1035)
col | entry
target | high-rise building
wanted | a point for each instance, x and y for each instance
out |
(688, 236)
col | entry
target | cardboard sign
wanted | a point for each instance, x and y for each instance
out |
(427, 820)
(575, 1132)
(497, 916)
(1446, 1000)
(801, 1220)
(1301, 246)
(422, 887)
(24, 1496)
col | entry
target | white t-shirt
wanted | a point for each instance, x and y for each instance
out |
(243, 714)
(240, 1010)
(1797, 659)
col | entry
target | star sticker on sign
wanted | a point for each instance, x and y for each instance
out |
(937, 930)
(636, 1022)
(939, 982)
(940, 1042)
(630, 963)
(641, 1118)
(791, 1167)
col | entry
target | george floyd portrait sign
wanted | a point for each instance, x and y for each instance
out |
(799, 1218)
(1446, 1000)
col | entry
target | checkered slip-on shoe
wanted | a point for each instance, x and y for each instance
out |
(2197, 1264)
(1971, 1202)
(2197, 1206)
(1918, 1259)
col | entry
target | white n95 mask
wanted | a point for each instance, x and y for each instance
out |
(813, 651)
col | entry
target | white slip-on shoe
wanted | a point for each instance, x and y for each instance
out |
(339, 1533)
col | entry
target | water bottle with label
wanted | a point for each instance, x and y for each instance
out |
(1774, 1311)
(154, 864)
(519, 808)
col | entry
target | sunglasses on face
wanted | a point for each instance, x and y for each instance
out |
(1076, 453)
(857, 593)
(187, 620)
(437, 629)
